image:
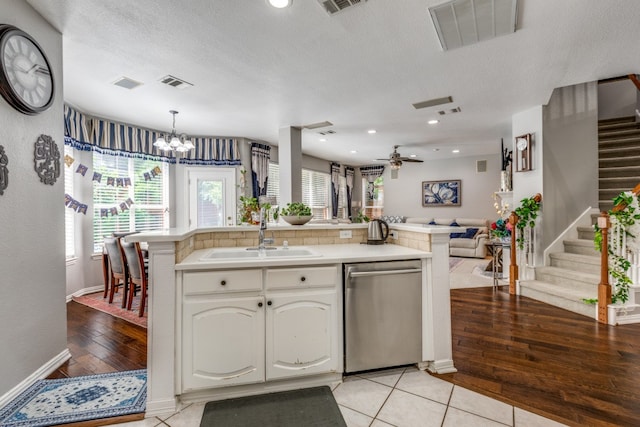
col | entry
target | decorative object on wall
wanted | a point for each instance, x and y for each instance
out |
(505, 171)
(82, 169)
(68, 160)
(26, 79)
(523, 154)
(441, 193)
(74, 204)
(177, 143)
(4, 170)
(46, 159)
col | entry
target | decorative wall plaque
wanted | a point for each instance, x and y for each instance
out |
(46, 159)
(4, 171)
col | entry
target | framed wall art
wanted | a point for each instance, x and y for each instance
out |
(441, 193)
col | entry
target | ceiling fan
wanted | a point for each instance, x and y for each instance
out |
(395, 161)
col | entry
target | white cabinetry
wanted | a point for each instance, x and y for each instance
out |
(250, 326)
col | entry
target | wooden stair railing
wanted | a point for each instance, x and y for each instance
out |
(635, 80)
(513, 266)
(604, 287)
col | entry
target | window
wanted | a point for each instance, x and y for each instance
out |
(316, 190)
(373, 197)
(149, 210)
(69, 214)
(211, 196)
(342, 198)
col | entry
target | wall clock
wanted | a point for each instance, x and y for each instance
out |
(523, 153)
(26, 80)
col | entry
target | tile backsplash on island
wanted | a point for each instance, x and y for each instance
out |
(298, 237)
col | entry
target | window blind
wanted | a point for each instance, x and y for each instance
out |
(150, 208)
(69, 214)
(316, 188)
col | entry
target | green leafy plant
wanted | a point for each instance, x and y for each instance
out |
(296, 209)
(249, 205)
(527, 213)
(361, 217)
(618, 264)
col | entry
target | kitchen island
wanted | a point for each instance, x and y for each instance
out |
(180, 274)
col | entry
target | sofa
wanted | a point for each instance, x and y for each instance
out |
(470, 244)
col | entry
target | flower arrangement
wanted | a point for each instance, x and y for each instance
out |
(501, 229)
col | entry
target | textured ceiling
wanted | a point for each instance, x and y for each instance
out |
(256, 69)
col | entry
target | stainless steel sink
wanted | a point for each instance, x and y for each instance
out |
(243, 253)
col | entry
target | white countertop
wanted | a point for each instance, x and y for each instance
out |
(327, 254)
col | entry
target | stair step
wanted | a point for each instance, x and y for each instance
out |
(580, 247)
(584, 263)
(616, 123)
(619, 172)
(586, 233)
(616, 151)
(611, 193)
(569, 279)
(618, 182)
(568, 299)
(619, 133)
(620, 161)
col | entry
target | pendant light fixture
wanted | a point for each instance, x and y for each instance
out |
(177, 143)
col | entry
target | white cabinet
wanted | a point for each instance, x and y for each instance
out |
(302, 334)
(223, 342)
(255, 325)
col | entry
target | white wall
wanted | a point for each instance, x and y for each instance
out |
(617, 99)
(32, 248)
(403, 196)
(570, 169)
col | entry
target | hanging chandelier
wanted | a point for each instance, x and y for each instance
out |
(177, 143)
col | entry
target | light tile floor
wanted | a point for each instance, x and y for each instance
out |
(404, 397)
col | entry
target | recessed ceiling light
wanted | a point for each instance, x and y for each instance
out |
(371, 131)
(412, 155)
(280, 3)
(353, 152)
(436, 149)
(455, 151)
(433, 122)
(323, 139)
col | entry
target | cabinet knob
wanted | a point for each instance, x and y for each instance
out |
(269, 302)
(223, 282)
(260, 304)
(302, 279)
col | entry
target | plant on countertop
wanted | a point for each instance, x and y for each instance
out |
(296, 209)
(619, 266)
(361, 217)
(249, 205)
(527, 214)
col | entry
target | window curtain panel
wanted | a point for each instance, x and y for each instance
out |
(335, 188)
(94, 134)
(349, 174)
(371, 173)
(260, 155)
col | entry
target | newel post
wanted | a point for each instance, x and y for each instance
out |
(513, 266)
(604, 288)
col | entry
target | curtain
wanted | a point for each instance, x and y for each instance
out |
(335, 188)
(349, 173)
(94, 134)
(259, 168)
(371, 173)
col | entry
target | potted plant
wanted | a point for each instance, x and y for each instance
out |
(296, 213)
(527, 213)
(249, 208)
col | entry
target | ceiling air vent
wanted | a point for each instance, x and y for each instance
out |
(432, 102)
(317, 125)
(327, 132)
(127, 83)
(451, 111)
(175, 82)
(335, 6)
(465, 22)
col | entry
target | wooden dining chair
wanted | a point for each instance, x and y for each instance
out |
(118, 268)
(137, 274)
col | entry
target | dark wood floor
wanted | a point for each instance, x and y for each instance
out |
(523, 352)
(544, 359)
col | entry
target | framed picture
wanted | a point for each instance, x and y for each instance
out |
(441, 193)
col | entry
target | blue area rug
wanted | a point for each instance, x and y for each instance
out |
(70, 400)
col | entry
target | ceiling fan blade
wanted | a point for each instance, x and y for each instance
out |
(383, 160)
(413, 160)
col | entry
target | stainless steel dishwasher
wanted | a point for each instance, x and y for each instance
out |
(383, 314)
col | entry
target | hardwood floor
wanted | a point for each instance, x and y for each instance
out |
(550, 361)
(100, 343)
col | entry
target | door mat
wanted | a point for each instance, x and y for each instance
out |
(310, 407)
(96, 301)
(71, 400)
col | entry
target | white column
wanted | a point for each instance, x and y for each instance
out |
(290, 162)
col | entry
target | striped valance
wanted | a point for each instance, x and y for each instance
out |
(94, 134)
(371, 172)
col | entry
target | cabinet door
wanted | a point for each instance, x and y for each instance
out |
(302, 333)
(223, 342)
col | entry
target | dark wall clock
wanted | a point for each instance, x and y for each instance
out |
(26, 79)
(523, 153)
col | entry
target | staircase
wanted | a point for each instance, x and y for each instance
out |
(619, 158)
(573, 275)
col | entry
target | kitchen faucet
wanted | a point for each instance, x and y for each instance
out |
(263, 226)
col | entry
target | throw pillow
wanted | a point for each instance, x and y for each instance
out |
(455, 235)
(470, 233)
(432, 222)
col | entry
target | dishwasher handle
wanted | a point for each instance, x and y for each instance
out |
(381, 272)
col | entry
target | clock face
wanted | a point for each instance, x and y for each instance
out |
(521, 144)
(26, 81)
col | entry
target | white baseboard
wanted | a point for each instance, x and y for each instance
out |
(443, 366)
(39, 374)
(85, 291)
